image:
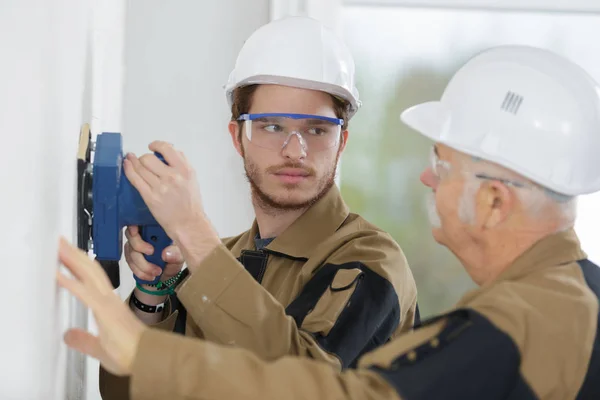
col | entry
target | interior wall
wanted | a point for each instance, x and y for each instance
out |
(104, 111)
(177, 57)
(43, 52)
(76, 371)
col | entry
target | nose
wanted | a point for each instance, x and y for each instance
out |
(294, 147)
(429, 179)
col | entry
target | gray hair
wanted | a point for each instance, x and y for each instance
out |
(537, 200)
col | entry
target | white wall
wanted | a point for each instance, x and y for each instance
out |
(104, 112)
(177, 57)
(326, 11)
(41, 94)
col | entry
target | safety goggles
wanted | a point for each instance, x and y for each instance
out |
(441, 169)
(275, 130)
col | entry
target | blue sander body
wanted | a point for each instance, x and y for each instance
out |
(114, 204)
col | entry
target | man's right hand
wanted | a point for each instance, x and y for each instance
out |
(136, 248)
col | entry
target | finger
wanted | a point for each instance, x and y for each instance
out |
(140, 266)
(171, 270)
(135, 178)
(132, 230)
(138, 244)
(150, 177)
(128, 251)
(140, 274)
(89, 272)
(76, 261)
(84, 342)
(153, 164)
(184, 157)
(76, 288)
(172, 156)
(136, 269)
(172, 255)
(147, 267)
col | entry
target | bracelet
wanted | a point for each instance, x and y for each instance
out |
(145, 307)
(169, 282)
(164, 288)
(155, 292)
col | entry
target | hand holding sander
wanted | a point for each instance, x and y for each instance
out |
(107, 202)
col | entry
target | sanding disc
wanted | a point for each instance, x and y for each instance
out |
(84, 189)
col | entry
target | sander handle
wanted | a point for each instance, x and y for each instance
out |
(157, 237)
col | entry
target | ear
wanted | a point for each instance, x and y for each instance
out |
(495, 202)
(343, 141)
(234, 131)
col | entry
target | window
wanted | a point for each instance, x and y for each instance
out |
(405, 56)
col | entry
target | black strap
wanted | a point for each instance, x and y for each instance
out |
(417, 321)
(146, 307)
(255, 263)
(177, 305)
(368, 320)
(181, 317)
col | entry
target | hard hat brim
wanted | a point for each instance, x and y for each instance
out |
(432, 120)
(428, 118)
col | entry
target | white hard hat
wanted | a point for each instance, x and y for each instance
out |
(298, 52)
(524, 108)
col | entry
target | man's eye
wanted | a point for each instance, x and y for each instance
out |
(273, 128)
(316, 131)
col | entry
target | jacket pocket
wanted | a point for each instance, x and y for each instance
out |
(336, 297)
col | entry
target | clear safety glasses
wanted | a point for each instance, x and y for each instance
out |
(441, 169)
(275, 130)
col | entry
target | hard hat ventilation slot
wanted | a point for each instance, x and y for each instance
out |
(512, 102)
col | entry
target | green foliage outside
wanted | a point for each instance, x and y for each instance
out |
(380, 179)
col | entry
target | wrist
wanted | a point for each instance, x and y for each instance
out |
(138, 304)
(149, 299)
(130, 344)
(196, 241)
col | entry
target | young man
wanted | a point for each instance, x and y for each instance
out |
(309, 278)
(503, 204)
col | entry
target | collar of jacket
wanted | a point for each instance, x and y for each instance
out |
(312, 228)
(555, 249)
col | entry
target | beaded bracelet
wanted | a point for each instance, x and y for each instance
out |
(155, 292)
(164, 288)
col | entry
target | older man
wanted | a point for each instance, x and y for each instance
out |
(517, 133)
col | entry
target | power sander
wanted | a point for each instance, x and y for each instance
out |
(108, 202)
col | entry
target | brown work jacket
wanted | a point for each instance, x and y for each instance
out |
(532, 333)
(331, 288)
